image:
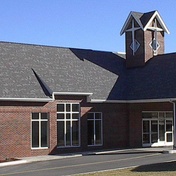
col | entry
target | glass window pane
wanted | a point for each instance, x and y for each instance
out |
(35, 115)
(60, 107)
(90, 132)
(68, 116)
(154, 126)
(146, 138)
(98, 131)
(68, 137)
(169, 137)
(60, 133)
(68, 107)
(90, 116)
(75, 133)
(35, 134)
(60, 116)
(168, 125)
(154, 137)
(161, 114)
(75, 116)
(75, 107)
(161, 130)
(44, 115)
(44, 131)
(146, 127)
(97, 115)
(169, 115)
(149, 115)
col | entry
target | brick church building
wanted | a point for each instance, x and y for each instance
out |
(57, 100)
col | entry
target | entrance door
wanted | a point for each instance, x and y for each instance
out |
(157, 128)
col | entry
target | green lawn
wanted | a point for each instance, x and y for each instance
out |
(161, 169)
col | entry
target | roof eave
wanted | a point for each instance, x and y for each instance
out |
(127, 21)
(27, 99)
(134, 101)
(156, 14)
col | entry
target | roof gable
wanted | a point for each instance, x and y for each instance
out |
(144, 20)
(132, 15)
(150, 17)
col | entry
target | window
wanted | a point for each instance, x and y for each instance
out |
(94, 128)
(68, 124)
(40, 130)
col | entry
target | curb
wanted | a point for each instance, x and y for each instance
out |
(170, 152)
(10, 163)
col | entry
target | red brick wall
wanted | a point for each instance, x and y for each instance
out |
(15, 126)
(122, 125)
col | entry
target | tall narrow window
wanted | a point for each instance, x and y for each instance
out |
(68, 122)
(39, 130)
(94, 126)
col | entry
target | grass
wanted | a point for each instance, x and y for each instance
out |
(161, 169)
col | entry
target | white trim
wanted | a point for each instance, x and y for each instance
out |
(156, 14)
(133, 101)
(27, 99)
(72, 93)
(46, 99)
(127, 21)
(121, 52)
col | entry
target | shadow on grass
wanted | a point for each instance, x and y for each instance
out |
(160, 167)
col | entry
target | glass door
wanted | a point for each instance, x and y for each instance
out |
(157, 129)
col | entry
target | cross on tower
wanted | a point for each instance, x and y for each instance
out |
(154, 44)
(132, 30)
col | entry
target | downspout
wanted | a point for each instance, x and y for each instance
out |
(174, 129)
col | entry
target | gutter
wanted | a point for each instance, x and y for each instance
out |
(133, 101)
(48, 99)
(27, 99)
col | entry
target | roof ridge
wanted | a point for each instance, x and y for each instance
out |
(54, 46)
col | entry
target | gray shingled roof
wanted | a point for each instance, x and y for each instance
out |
(33, 71)
(156, 80)
(61, 69)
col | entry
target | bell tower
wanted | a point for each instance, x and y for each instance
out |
(144, 37)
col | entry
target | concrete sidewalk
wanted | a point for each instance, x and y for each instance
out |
(70, 155)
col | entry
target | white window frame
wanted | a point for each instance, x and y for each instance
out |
(71, 112)
(94, 120)
(40, 126)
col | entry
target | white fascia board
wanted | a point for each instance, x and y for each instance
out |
(27, 99)
(134, 101)
(127, 21)
(72, 93)
(156, 14)
(125, 24)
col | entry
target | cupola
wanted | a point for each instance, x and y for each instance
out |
(144, 37)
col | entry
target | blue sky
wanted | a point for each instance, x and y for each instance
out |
(89, 24)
